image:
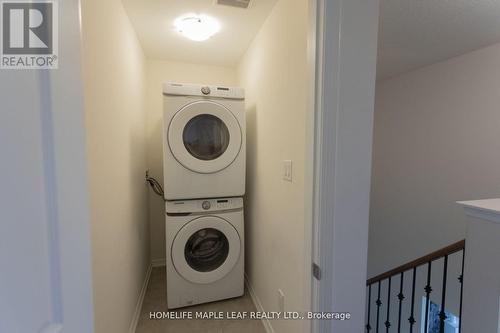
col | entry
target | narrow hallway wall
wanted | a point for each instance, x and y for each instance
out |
(114, 75)
(274, 74)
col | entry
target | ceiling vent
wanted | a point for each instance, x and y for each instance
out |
(234, 3)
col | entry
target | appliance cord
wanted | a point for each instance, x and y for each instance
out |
(155, 186)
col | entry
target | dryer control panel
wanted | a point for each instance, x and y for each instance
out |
(203, 205)
(184, 89)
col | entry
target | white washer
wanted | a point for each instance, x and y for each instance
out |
(204, 141)
(205, 251)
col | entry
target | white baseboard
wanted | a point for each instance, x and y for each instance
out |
(140, 300)
(158, 262)
(258, 305)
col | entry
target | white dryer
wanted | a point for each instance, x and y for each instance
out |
(204, 141)
(205, 251)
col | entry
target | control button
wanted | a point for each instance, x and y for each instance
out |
(205, 90)
(205, 205)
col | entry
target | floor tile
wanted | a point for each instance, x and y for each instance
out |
(156, 300)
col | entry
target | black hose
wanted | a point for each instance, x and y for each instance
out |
(156, 186)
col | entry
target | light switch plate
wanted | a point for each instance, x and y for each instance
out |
(287, 170)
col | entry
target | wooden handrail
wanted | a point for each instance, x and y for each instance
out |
(450, 249)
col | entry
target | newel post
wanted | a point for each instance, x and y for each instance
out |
(481, 283)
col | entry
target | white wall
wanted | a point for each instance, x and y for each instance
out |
(436, 141)
(274, 73)
(158, 72)
(114, 75)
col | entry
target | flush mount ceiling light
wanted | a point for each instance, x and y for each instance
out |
(197, 27)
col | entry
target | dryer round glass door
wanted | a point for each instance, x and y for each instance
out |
(204, 137)
(206, 249)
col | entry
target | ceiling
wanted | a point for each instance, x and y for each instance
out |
(412, 33)
(153, 22)
(416, 33)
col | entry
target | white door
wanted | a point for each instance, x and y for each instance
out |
(45, 276)
(205, 137)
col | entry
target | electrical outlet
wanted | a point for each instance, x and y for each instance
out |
(287, 170)
(281, 301)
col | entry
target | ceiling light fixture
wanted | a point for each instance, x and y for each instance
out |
(197, 27)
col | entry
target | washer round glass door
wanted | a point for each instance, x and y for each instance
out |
(204, 137)
(206, 249)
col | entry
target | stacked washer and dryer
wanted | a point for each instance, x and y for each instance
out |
(204, 178)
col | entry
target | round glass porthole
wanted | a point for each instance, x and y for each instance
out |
(206, 137)
(206, 250)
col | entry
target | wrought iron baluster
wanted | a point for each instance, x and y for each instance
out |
(387, 322)
(442, 314)
(403, 271)
(401, 297)
(461, 279)
(412, 316)
(379, 303)
(368, 327)
(428, 290)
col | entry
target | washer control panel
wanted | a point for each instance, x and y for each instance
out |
(223, 204)
(205, 90)
(205, 205)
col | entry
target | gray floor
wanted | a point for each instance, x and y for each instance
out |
(156, 300)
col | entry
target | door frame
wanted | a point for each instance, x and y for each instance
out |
(342, 50)
(66, 176)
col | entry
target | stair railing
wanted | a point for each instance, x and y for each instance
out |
(388, 301)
